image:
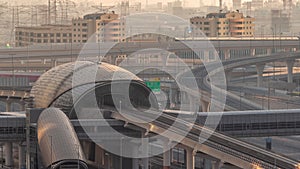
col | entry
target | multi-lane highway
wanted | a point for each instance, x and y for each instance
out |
(232, 101)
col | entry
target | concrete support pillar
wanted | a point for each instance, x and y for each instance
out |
(135, 163)
(8, 154)
(228, 74)
(260, 71)
(217, 164)
(107, 161)
(207, 164)
(290, 65)
(190, 158)
(171, 96)
(206, 55)
(54, 62)
(166, 156)
(22, 106)
(252, 52)
(145, 162)
(269, 51)
(22, 157)
(227, 54)
(204, 105)
(8, 106)
(192, 102)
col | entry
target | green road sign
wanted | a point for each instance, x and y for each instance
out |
(154, 85)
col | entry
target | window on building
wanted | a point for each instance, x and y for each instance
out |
(84, 30)
(65, 41)
(84, 35)
(70, 34)
(65, 34)
(74, 29)
(57, 34)
(58, 40)
(74, 35)
(45, 34)
(218, 22)
(52, 40)
(206, 23)
(84, 41)
(51, 34)
(45, 40)
(84, 24)
(39, 35)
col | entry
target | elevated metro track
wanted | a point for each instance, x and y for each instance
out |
(218, 145)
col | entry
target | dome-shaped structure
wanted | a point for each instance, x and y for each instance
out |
(58, 86)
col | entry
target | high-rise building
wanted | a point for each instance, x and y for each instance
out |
(280, 22)
(106, 27)
(43, 34)
(236, 4)
(256, 4)
(230, 24)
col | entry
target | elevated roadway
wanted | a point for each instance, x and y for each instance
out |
(232, 101)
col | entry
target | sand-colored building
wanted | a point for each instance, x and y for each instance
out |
(230, 24)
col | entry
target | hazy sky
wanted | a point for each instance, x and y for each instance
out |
(109, 2)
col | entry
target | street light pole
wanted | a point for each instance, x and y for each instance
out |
(121, 152)
(51, 151)
(273, 39)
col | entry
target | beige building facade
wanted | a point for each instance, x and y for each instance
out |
(231, 24)
(43, 34)
(104, 27)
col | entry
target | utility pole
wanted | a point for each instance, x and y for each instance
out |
(49, 8)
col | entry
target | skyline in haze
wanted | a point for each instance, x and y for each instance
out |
(188, 3)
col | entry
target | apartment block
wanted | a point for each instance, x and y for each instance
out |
(230, 24)
(104, 27)
(43, 34)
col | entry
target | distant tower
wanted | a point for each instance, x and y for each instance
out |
(201, 3)
(236, 4)
(124, 8)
